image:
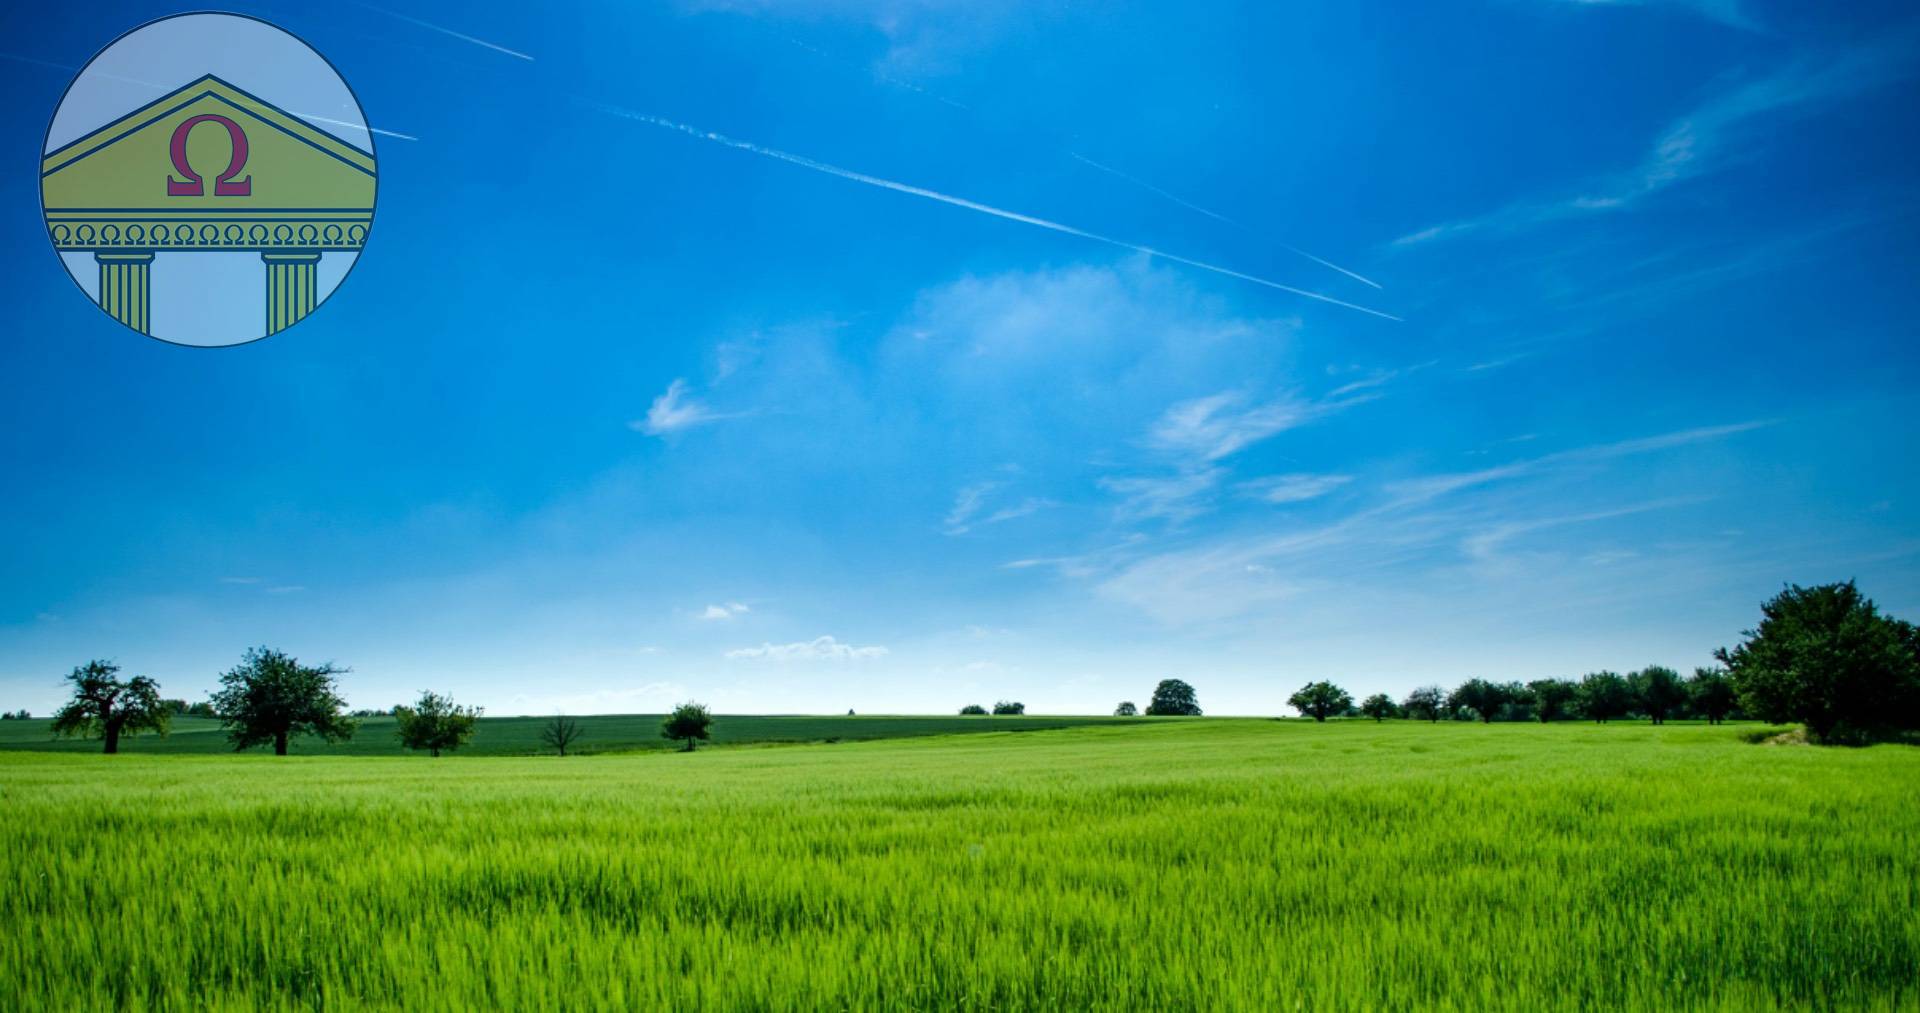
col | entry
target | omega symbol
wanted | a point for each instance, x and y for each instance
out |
(224, 185)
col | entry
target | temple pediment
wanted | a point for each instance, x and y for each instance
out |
(208, 166)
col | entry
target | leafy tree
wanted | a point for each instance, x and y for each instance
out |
(688, 723)
(1126, 709)
(1659, 691)
(434, 723)
(271, 697)
(1711, 693)
(105, 707)
(1604, 696)
(1481, 697)
(1429, 703)
(973, 708)
(1173, 698)
(1552, 697)
(1825, 656)
(19, 715)
(1009, 707)
(1320, 700)
(1379, 707)
(560, 732)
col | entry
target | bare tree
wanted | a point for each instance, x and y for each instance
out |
(560, 732)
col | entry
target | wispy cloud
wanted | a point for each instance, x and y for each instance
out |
(817, 649)
(1217, 425)
(971, 205)
(675, 410)
(1294, 488)
(1432, 486)
(726, 611)
(970, 508)
(1177, 498)
(1704, 140)
(463, 37)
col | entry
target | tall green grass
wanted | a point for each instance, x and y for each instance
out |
(1209, 864)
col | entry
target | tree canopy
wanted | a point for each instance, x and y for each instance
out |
(1429, 703)
(1380, 707)
(1659, 691)
(1825, 657)
(1604, 696)
(1009, 707)
(435, 723)
(972, 709)
(1320, 700)
(1711, 694)
(1552, 697)
(1174, 698)
(105, 707)
(271, 698)
(1126, 709)
(690, 722)
(1482, 697)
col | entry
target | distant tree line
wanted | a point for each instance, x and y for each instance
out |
(1824, 657)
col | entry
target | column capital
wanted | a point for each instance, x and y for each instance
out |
(123, 256)
(297, 257)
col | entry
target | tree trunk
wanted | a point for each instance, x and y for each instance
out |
(433, 751)
(279, 743)
(112, 736)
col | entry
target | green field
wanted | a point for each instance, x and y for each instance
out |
(1231, 864)
(520, 736)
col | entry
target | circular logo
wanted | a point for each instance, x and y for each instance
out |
(208, 179)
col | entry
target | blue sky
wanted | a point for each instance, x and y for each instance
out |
(612, 414)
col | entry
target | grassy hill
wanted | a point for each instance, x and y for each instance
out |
(520, 736)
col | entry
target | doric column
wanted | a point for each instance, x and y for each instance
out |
(293, 281)
(124, 293)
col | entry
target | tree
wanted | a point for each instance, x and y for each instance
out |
(1825, 656)
(106, 708)
(560, 732)
(1428, 703)
(434, 723)
(688, 723)
(972, 708)
(1552, 697)
(20, 715)
(271, 697)
(1711, 693)
(1173, 698)
(1659, 691)
(1604, 696)
(1481, 697)
(1379, 707)
(1126, 709)
(1009, 707)
(1319, 700)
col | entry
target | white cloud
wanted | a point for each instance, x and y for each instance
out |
(1703, 139)
(1177, 498)
(727, 611)
(817, 649)
(1429, 487)
(675, 410)
(969, 509)
(1294, 488)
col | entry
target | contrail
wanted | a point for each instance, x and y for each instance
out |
(430, 26)
(1191, 206)
(1108, 169)
(962, 202)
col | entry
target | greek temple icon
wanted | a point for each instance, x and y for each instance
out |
(205, 168)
